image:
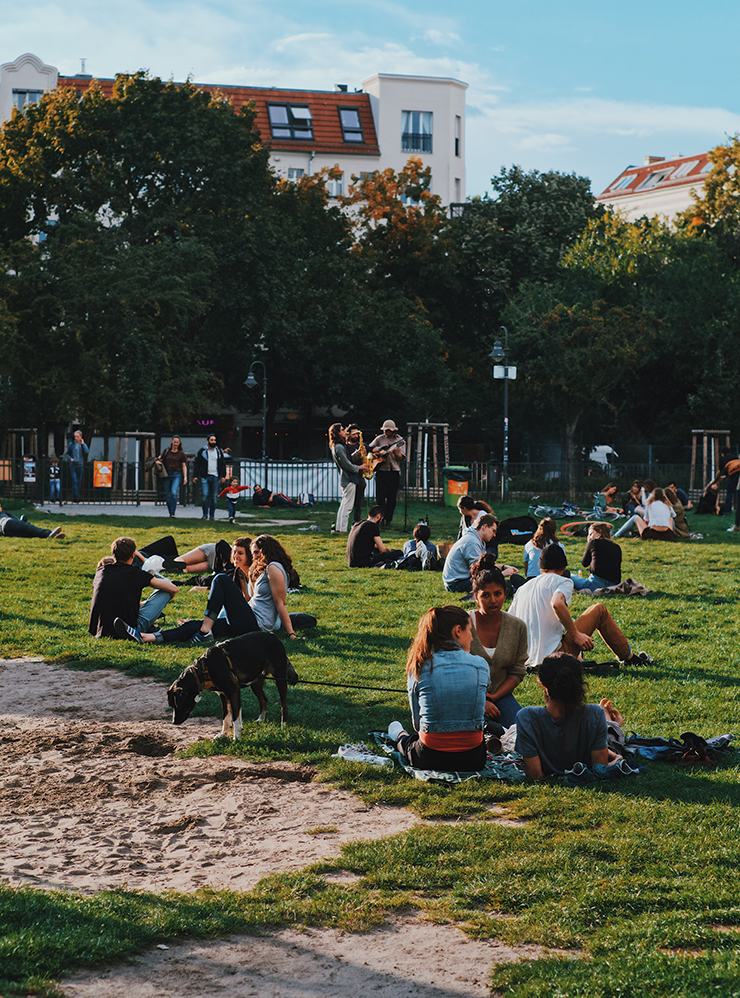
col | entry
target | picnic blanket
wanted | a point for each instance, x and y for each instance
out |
(505, 767)
(627, 587)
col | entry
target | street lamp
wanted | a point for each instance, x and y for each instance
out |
(503, 372)
(251, 382)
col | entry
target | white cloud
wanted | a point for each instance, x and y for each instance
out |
(437, 37)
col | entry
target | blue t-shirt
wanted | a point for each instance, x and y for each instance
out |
(462, 555)
(563, 742)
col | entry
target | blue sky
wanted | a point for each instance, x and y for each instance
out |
(569, 85)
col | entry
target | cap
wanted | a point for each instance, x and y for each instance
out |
(389, 425)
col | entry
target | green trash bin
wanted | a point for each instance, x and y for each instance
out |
(457, 477)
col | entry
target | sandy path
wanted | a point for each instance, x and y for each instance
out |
(87, 804)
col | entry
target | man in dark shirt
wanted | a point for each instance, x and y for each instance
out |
(117, 589)
(730, 468)
(365, 547)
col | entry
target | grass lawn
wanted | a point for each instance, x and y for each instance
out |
(635, 883)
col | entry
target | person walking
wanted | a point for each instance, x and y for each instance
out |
(210, 469)
(174, 460)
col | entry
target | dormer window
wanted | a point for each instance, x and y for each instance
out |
(624, 182)
(654, 179)
(290, 121)
(351, 127)
(684, 169)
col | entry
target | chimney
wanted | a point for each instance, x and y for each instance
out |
(340, 88)
(649, 160)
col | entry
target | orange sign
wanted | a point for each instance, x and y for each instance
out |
(457, 488)
(102, 474)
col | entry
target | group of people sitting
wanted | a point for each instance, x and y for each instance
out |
(247, 593)
(463, 668)
(656, 513)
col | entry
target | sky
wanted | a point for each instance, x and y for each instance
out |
(569, 85)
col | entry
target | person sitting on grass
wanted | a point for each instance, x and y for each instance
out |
(447, 694)
(546, 533)
(421, 547)
(680, 524)
(365, 547)
(472, 545)
(658, 522)
(13, 526)
(117, 589)
(607, 498)
(567, 730)
(543, 606)
(470, 509)
(603, 559)
(500, 639)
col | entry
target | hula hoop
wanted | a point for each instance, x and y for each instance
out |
(570, 529)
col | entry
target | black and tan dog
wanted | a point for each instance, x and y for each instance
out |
(226, 668)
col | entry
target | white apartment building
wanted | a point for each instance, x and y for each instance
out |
(378, 125)
(659, 187)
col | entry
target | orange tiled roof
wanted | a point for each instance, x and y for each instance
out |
(660, 174)
(324, 105)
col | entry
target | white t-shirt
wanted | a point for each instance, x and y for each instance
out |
(658, 514)
(532, 603)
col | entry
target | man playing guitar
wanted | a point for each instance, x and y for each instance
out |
(388, 450)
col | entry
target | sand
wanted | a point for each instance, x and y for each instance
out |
(92, 797)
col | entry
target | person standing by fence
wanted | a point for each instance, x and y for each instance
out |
(77, 451)
(390, 447)
(350, 475)
(55, 480)
(210, 468)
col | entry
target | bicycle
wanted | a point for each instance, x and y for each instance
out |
(566, 509)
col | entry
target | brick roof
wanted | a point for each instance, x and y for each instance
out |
(324, 105)
(660, 174)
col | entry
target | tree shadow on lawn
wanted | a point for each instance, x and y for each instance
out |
(38, 622)
(711, 598)
(680, 785)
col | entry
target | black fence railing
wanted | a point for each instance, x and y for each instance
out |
(416, 142)
(132, 483)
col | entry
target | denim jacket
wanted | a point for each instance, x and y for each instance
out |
(452, 695)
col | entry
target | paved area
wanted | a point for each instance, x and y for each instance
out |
(150, 509)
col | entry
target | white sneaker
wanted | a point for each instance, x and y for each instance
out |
(395, 730)
(361, 753)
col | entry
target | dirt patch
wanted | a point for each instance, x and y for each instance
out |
(92, 796)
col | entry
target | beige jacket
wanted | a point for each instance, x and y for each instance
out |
(511, 653)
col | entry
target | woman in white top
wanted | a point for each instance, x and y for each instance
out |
(659, 517)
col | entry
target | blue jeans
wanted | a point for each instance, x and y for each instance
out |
(626, 527)
(150, 609)
(172, 491)
(231, 504)
(591, 583)
(77, 470)
(209, 491)
(508, 708)
(55, 491)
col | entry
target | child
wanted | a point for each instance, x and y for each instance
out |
(55, 477)
(231, 492)
(421, 547)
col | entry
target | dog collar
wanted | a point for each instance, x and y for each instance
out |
(202, 676)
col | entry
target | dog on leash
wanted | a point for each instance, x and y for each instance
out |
(227, 667)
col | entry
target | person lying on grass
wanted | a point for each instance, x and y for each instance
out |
(447, 694)
(13, 526)
(567, 730)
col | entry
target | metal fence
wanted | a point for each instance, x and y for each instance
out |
(131, 483)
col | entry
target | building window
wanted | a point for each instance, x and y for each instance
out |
(416, 134)
(22, 98)
(335, 188)
(290, 121)
(295, 173)
(458, 189)
(624, 182)
(351, 127)
(654, 179)
(684, 169)
(458, 135)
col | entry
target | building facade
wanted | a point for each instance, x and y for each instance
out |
(659, 187)
(379, 125)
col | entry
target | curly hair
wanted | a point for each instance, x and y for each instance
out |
(562, 677)
(270, 549)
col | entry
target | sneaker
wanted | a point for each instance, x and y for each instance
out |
(56, 533)
(124, 630)
(640, 658)
(395, 729)
(732, 529)
(199, 638)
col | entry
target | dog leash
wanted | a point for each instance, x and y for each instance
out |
(347, 686)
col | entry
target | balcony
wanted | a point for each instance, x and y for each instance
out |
(416, 142)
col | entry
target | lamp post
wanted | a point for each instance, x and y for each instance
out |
(503, 372)
(251, 382)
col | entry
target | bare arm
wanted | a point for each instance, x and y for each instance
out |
(165, 584)
(533, 768)
(560, 608)
(277, 588)
(381, 546)
(601, 756)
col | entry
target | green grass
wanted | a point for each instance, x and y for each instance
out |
(632, 886)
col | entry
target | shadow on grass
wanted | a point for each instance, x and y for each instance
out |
(16, 618)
